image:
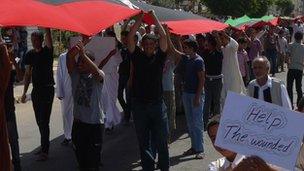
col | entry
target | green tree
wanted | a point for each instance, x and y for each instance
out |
(164, 3)
(237, 8)
(285, 7)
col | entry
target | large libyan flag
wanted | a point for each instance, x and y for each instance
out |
(87, 17)
(179, 22)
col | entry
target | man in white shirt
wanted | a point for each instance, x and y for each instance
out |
(64, 94)
(266, 88)
(233, 80)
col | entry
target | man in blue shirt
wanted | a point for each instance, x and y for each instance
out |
(193, 99)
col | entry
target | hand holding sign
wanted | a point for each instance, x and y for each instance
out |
(253, 163)
(252, 127)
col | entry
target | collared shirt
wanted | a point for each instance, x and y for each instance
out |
(283, 45)
(222, 164)
(192, 66)
(285, 98)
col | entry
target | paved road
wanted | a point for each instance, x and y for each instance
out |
(120, 149)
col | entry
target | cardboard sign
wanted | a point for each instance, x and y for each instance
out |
(253, 127)
(99, 46)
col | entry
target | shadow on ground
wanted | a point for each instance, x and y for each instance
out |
(120, 152)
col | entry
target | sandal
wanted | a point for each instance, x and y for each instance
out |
(199, 155)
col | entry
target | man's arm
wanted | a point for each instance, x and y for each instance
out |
(73, 52)
(91, 66)
(163, 38)
(27, 80)
(48, 38)
(171, 49)
(130, 81)
(71, 61)
(125, 25)
(132, 33)
(200, 87)
(106, 59)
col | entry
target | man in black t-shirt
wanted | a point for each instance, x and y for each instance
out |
(146, 87)
(39, 67)
(214, 78)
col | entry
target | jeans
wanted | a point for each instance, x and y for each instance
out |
(87, 140)
(151, 122)
(125, 104)
(294, 74)
(272, 56)
(13, 140)
(42, 99)
(194, 116)
(213, 89)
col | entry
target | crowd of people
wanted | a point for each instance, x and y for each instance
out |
(154, 75)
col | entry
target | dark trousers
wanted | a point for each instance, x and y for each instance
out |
(294, 74)
(13, 140)
(42, 99)
(213, 89)
(245, 81)
(125, 104)
(272, 56)
(151, 122)
(87, 140)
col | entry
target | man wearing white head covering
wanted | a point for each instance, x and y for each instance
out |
(64, 94)
(230, 69)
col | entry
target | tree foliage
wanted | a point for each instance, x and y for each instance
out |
(165, 3)
(285, 7)
(237, 8)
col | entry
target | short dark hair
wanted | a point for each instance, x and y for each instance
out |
(124, 33)
(298, 36)
(211, 40)
(215, 120)
(149, 37)
(191, 43)
(242, 40)
(39, 34)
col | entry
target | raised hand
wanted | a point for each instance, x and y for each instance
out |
(113, 52)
